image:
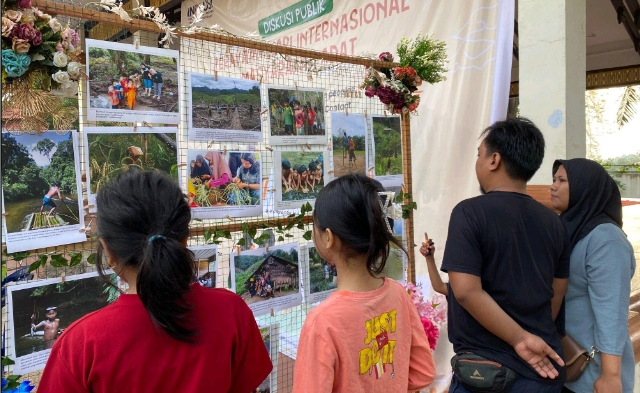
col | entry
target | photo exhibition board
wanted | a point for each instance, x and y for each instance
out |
(299, 176)
(221, 184)
(322, 276)
(224, 109)
(271, 339)
(350, 143)
(386, 143)
(206, 258)
(268, 280)
(296, 116)
(123, 87)
(112, 150)
(39, 311)
(41, 190)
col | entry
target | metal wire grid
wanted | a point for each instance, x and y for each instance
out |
(340, 84)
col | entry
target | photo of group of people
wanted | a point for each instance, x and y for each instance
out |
(300, 176)
(114, 150)
(40, 311)
(323, 276)
(296, 116)
(129, 84)
(220, 184)
(41, 189)
(263, 277)
(349, 133)
(226, 109)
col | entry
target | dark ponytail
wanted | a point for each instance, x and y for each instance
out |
(143, 217)
(351, 207)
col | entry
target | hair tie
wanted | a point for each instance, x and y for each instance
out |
(154, 237)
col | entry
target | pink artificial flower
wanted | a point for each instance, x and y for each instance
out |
(59, 47)
(386, 56)
(24, 4)
(431, 331)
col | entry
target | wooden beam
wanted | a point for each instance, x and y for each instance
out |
(57, 8)
(634, 8)
(626, 19)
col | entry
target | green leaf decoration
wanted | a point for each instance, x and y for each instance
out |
(301, 226)
(4, 272)
(18, 256)
(280, 238)
(7, 361)
(207, 235)
(41, 261)
(58, 260)
(307, 235)
(91, 259)
(241, 242)
(76, 258)
(252, 232)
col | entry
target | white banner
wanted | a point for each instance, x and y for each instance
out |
(444, 136)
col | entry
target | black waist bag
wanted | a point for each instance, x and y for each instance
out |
(481, 375)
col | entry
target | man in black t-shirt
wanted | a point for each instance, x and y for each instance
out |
(508, 262)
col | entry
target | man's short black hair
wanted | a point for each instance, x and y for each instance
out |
(520, 145)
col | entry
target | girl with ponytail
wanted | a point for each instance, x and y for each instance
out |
(165, 334)
(367, 336)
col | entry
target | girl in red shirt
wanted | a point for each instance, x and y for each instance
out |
(166, 333)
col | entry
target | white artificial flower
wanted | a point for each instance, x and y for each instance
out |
(61, 77)
(60, 59)
(55, 25)
(73, 68)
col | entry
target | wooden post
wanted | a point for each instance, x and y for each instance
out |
(408, 188)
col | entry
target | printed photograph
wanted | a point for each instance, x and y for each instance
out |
(216, 180)
(349, 143)
(265, 332)
(387, 147)
(323, 276)
(112, 151)
(39, 181)
(126, 83)
(397, 262)
(224, 109)
(262, 275)
(296, 115)
(40, 312)
(206, 258)
(302, 175)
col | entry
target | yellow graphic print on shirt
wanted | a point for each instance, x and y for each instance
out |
(379, 351)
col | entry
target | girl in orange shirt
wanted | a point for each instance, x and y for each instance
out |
(367, 336)
(131, 94)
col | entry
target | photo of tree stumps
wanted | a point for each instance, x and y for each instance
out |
(349, 134)
(225, 109)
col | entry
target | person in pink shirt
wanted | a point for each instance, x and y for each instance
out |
(367, 336)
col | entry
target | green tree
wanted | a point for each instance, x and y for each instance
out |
(44, 147)
(21, 177)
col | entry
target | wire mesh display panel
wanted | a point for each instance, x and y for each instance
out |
(231, 97)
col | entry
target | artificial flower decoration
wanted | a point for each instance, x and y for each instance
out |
(23, 387)
(433, 312)
(397, 87)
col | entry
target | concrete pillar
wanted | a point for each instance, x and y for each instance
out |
(552, 76)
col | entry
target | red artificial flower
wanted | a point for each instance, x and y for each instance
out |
(431, 331)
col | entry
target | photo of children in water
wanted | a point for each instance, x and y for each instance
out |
(224, 109)
(296, 115)
(262, 277)
(132, 80)
(41, 311)
(349, 143)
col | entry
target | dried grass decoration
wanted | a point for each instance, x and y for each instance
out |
(28, 108)
(217, 196)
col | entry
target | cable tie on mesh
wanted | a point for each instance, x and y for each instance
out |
(135, 127)
(210, 143)
(271, 190)
(385, 113)
(269, 148)
(260, 81)
(264, 111)
(346, 111)
(308, 146)
(144, 123)
(136, 43)
(302, 148)
(296, 85)
(230, 218)
(215, 75)
(89, 206)
(365, 113)
(224, 152)
(272, 313)
(238, 250)
(181, 165)
(309, 76)
(4, 214)
(63, 277)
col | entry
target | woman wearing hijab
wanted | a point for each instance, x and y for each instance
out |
(201, 170)
(602, 265)
(248, 177)
(220, 172)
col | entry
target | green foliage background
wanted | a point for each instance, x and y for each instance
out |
(23, 179)
(387, 144)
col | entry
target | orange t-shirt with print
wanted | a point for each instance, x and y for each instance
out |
(364, 342)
